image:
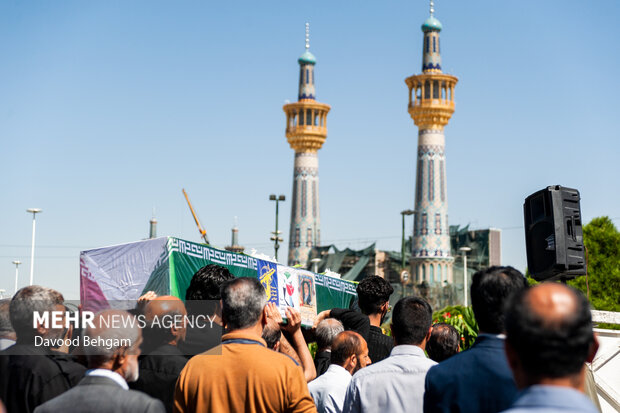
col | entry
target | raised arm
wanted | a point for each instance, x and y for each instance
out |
(293, 327)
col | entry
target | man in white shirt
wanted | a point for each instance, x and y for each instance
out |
(349, 353)
(396, 384)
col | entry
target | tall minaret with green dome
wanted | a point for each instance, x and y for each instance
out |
(431, 104)
(306, 131)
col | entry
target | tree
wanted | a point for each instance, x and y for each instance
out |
(602, 241)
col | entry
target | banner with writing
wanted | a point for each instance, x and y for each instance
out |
(166, 266)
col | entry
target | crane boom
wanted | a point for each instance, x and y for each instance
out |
(203, 233)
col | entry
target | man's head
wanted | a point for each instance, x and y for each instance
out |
(443, 342)
(411, 321)
(350, 351)
(6, 329)
(490, 289)
(326, 331)
(166, 317)
(549, 334)
(114, 343)
(205, 286)
(272, 336)
(374, 294)
(23, 306)
(243, 303)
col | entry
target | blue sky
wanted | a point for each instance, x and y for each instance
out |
(108, 109)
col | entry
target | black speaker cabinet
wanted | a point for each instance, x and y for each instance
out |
(553, 234)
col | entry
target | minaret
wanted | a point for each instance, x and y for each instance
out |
(153, 227)
(306, 130)
(431, 104)
(234, 243)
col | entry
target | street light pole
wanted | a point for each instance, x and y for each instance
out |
(465, 250)
(402, 245)
(34, 212)
(276, 234)
(16, 262)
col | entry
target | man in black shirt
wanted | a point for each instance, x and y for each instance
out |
(202, 299)
(373, 295)
(30, 374)
(325, 333)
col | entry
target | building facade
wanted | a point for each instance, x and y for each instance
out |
(306, 131)
(431, 104)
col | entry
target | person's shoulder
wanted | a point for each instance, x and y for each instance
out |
(464, 357)
(138, 396)
(317, 384)
(278, 358)
(451, 367)
(134, 400)
(369, 371)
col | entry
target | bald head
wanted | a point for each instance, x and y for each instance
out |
(349, 350)
(549, 329)
(552, 303)
(164, 305)
(166, 317)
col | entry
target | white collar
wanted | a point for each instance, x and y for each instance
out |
(118, 379)
(337, 369)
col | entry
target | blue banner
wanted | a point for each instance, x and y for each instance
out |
(268, 278)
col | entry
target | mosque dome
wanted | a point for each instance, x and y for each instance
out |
(307, 57)
(431, 24)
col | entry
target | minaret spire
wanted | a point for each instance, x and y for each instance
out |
(153, 226)
(431, 104)
(234, 244)
(306, 131)
(306, 71)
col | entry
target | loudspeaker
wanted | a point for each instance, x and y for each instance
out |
(553, 234)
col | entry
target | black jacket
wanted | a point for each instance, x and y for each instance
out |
(198, 340)
(379, 345)
(159, 372)
(30, 376)
(322, 360)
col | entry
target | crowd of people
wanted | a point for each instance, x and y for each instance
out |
(530, 354)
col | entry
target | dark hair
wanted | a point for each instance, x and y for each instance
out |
(549, 346)
(271, 336)
(344, 346)
(243, 301)
(490, 289)
(411, 320)
(372, 293)
(206, 283)
(444, 342)
(204, 289)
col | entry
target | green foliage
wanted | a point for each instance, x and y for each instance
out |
(462, 318)
(313, 347)
(530, 281)
(602, 241)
